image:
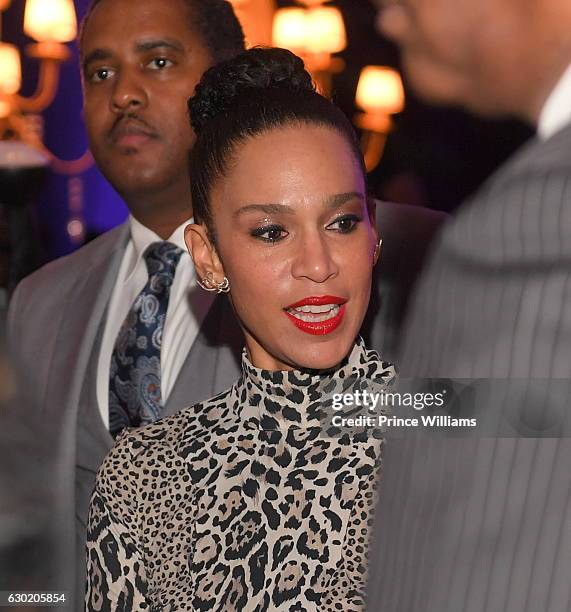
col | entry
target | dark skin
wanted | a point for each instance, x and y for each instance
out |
(141, 61)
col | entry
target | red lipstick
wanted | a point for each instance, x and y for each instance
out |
(317, 328)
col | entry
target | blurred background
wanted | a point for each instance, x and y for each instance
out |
(53, 199)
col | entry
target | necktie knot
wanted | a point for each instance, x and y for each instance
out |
(162, 259)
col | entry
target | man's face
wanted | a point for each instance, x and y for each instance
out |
(141, 62)
(455, 51)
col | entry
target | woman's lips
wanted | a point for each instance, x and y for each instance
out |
(319, 315)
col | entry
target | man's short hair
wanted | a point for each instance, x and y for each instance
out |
(213, 20)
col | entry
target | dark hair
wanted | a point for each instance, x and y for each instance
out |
(256, 91)
(213, 20)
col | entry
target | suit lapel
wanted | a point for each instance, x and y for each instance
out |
(79, 324)
(77, 332)
(212, 364)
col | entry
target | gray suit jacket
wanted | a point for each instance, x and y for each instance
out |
(484, 524)
(55, 319)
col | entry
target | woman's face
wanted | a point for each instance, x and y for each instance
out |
(295, 240)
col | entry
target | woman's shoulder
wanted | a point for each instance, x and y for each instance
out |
(157, 452)
(136, 447)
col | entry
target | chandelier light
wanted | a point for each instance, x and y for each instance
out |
(380, 94)
(51, 23)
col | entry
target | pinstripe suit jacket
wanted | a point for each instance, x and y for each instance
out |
(484, 524)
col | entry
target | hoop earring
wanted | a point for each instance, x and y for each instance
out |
(209, 284)
(377, 252)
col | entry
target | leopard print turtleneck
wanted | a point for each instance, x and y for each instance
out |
(242, 502)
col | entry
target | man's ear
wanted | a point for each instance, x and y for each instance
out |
(203, 253)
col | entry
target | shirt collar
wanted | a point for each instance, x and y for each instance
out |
(556, 112)
(142, 237)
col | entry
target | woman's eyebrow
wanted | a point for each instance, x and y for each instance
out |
(334, 201)
(337, 200)
(270, 209)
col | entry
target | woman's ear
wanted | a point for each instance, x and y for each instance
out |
(377, 252)
(372, 209)
(372, 212)
(203, 253)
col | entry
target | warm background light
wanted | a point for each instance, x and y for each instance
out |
(5, 107)
(10, 70)
(289, 29)
(256, 18)
(380, 90)
(4, 4)
(312, 2)
(50, 20)
(325, 30)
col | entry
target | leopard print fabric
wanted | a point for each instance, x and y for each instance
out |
(239, 503)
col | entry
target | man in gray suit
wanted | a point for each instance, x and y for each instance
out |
(72, 322)
(484, 524)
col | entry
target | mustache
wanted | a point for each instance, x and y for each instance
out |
(131, 123)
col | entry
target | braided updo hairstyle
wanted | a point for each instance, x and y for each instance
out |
(256, 91)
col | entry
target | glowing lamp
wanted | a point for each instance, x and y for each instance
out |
(50, 20)
(289, 28)
(380, 90)
(325, 30)
(10, 71)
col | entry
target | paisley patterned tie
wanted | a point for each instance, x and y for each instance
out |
(135, 373)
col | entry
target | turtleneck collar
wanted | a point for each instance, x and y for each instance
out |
(303, 398)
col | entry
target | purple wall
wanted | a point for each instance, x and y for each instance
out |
(101, 207)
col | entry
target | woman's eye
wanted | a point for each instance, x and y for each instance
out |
(272, 233)
(345, 224)
(159, 63)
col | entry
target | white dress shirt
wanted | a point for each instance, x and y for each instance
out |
(182, 322)
(556, 112)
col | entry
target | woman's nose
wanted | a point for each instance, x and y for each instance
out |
(314, 260)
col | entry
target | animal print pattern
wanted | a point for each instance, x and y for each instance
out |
(240, 502)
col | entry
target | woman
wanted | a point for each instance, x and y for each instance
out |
(243, 502)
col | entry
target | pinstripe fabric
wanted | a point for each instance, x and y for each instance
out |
(493, 301)
(484, 525)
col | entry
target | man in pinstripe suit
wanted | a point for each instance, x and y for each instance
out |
(483, 524)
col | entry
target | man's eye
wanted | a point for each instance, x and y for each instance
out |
(345, 224)
(158, 63)
(103, 74)
(269, 233)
